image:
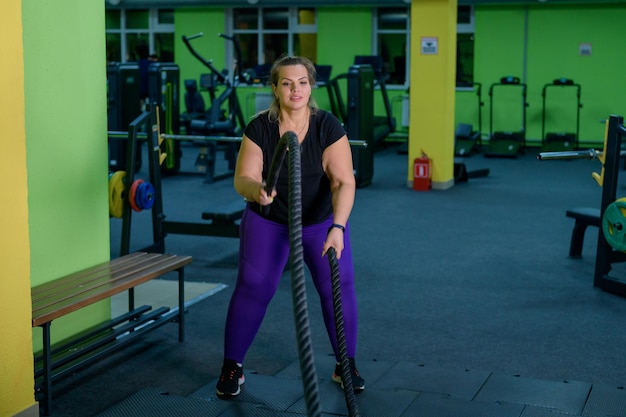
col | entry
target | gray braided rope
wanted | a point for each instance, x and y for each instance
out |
(346, 374)
(303, 333)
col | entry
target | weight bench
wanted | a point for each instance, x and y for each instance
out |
(584, 216)
(71, 293)
(223, 222)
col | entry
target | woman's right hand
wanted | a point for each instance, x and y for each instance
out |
(263, 198)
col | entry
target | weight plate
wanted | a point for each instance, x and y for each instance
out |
(116, 194)
(145, 195)
(132, 197)
(614, 224)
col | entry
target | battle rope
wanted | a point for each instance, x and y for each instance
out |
(303, 334)
(289, 140)
(346, 376)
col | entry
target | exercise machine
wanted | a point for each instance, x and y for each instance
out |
(224, 116)
(383, 125)
(163, 92)
(507, 143)
(468, 140)
(360, 123)
(560, 141)
(123, 105)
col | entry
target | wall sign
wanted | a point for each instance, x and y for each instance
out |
(584, 49)
(430, 45)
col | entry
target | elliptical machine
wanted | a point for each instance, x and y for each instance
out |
(224, 116)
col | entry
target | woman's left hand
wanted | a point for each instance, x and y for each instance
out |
(334, 239)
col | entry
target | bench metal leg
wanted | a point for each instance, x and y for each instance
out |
(47, 370)
(181, 304)
(578, 237)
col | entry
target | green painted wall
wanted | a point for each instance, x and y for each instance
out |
(209, 21)
(66, 144)
(552, 51)
(553, 46)
(536, 43)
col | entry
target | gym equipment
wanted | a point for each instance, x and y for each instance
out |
(221, 222)
(560, 141)
(360, 123)
(216, 121)
(611, 244)
(123, 105)
(163, 90)
(117, 194)
(346, 377)
(141, 195)
(305, 351)
(468, 140)
(382, 126)
(507, 143)
(296, 262)
(614, 224)
(386, 124)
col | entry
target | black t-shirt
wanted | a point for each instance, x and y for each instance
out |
(324, 130)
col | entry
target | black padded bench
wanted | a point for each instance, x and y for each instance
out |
(223, 222)
(227, 214)
(584, 216)
(71, 293)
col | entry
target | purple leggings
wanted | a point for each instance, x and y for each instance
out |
(263, 255)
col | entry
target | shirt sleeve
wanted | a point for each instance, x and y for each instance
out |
(332, 129)
(253, 130)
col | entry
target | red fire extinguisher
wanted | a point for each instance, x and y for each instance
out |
(422, 171)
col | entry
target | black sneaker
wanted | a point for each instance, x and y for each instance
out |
(230, 380)
(358, 383)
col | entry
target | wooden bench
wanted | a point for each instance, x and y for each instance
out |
(71, 293)
(584, 216)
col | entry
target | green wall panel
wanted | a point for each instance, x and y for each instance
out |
(66, 142)
(555, 36)
(190, 21)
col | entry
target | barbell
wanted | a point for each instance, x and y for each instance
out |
(588, 154)
(236, 139)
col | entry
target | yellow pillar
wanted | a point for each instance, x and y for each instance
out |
(16, 357)
(432, 88)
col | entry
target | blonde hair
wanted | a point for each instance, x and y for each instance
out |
(284, 61)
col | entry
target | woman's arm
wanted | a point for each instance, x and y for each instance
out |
(337, 163)
(248, 178)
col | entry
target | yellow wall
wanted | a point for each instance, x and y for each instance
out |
(16, 360)
(53, 171)
(433, 76)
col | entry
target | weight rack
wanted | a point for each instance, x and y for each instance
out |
(606, 255)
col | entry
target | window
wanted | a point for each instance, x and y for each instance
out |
(465, 46)
(265, 34)
(392, 36)
(392, 29)
(133, 34)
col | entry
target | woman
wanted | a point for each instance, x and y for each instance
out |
(328, 188)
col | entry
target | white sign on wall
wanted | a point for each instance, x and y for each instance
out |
(430, 45)
(584, 49)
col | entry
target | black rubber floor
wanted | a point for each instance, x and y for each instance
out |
(394, 389)
(468, 306)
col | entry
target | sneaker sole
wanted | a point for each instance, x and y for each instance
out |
(233, 394)
(338, 380)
